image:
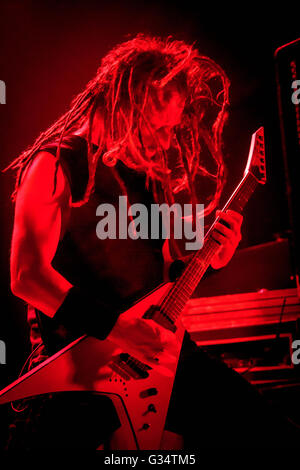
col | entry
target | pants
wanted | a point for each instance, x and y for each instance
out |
(211, 406)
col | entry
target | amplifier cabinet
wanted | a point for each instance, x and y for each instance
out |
(252, 332)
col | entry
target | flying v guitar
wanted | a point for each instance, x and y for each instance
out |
(140, 391)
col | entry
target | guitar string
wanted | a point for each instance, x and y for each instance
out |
(192, 273)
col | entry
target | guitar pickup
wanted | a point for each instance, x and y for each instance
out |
(132, 366)
(156, 314)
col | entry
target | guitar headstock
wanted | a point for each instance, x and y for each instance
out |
(256, 164)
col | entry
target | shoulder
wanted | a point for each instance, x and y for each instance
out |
(44, 179)
(74, 162)
(69, 174)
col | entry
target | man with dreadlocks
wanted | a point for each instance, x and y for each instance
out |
(148, 126)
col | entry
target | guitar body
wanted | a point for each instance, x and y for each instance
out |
(139, 391)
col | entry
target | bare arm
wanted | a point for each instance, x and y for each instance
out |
(37, 227)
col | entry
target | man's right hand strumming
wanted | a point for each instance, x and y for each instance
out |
(144, 339)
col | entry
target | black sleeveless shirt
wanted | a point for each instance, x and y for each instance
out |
(120, 271)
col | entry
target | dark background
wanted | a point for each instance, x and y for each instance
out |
(50, 50)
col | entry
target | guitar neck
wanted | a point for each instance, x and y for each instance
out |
(175, 301)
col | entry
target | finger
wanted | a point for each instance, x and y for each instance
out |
(232, 236)
(218, 237)
(169, 340)
(235, 215)
(230, 220)
(152, 359)
(149, 329)
(224, 230)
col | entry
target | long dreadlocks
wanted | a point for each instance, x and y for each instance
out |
(127, 76)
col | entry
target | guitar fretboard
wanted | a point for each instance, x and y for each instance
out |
(176, 299)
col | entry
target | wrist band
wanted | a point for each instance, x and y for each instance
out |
(84, 313)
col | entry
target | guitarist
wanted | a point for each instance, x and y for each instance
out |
(147, 126)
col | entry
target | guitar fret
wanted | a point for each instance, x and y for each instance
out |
(183, 289)
(177, 293)
(174, 299)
